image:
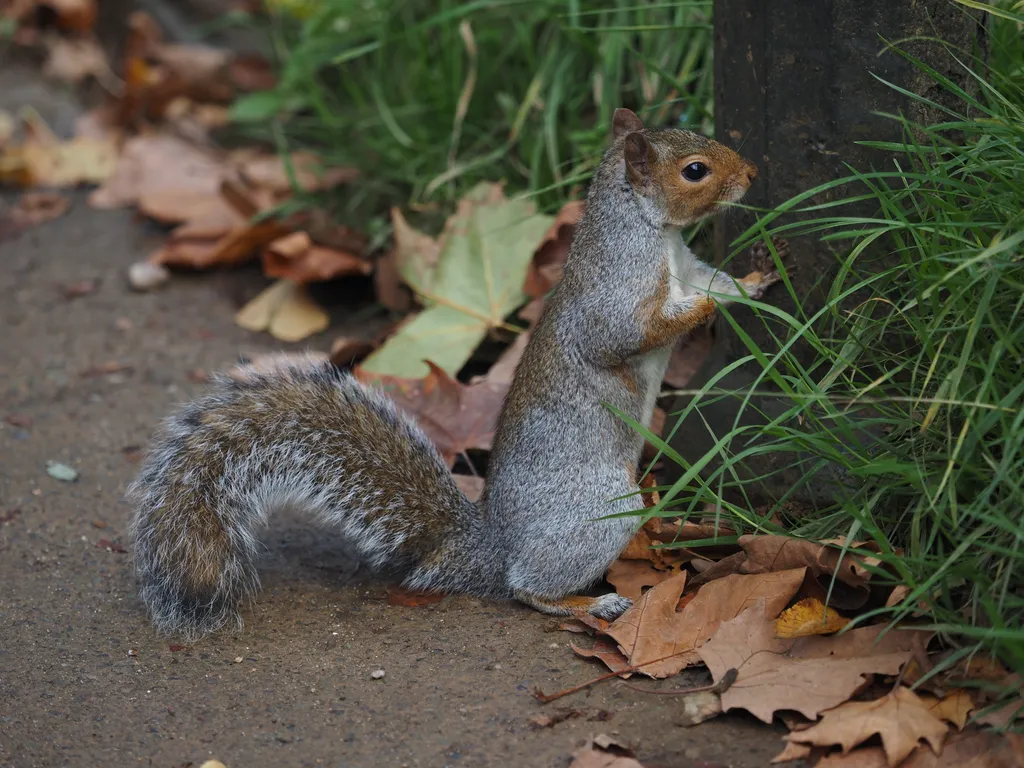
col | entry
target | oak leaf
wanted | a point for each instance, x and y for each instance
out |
(807, 674)
(900, 718)
(980, 749)
(629, 577)
(604, 752)
(651, 633)
(808, 617)
(953, 708)
(607, 653)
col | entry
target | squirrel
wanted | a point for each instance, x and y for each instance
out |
(306, 435)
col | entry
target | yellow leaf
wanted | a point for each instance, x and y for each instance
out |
(285, 310)
(954, 708)
(808, 617)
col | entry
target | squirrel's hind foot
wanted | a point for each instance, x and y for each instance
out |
(608, 607)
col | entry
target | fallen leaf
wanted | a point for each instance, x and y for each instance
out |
(1003, 715)
(485, 249)
(72, 60)
(297, 258)
(653, 634)
(953, 708)
(700, 706)
(548, 260)
(768, 553)
(604, 752)
(18, 420)
(272, 172)
(174, 647)
(808, 617)
(63, 472)
(285, 310)
(35, 208)
(807, 674)
(42, 160)
(979, 749)
(456, 417)
(345, 350)
(688, 356)
(605, 652)
(792, 751)
(901, 719)
(235, 247)
(629, 577)
(158, 164)
(411, 598)
(470, 485)
(415, 254)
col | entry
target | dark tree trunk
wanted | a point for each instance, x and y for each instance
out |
(795, 89)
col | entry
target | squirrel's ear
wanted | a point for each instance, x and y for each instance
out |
(625, 121)
(638, 152)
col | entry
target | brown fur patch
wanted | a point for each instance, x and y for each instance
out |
(660, 331)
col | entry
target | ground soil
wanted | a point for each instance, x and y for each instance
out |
(85, 681)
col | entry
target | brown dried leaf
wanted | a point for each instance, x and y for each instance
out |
(236, 247)
(604, 752)
(270, 172)
(456, 417)
(953, 708)
(286, 311)
(652, 630)
(45, 161)
(296, 257)
(688, 356)
(35, 208)
(900, 718)
(546, 268)
(629, 577)
(471, 485)
(605, 652)
(808, 674)
(160, 165)
(792, 751)
(982, 749)
(768, 553)
(73, 60)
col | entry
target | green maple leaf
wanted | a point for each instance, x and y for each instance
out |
(469, 280)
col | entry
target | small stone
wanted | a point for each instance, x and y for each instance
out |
(143, 276)
(239, 659)
(213, 764)
(59, 471)
(132, 653)
(377, 674)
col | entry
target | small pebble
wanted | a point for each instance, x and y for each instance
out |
(132, 652)
(377, 674)
(213, 764)
(239, 659)
(143, 276)
(59, 471)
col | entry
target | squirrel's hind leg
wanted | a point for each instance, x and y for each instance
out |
(607, 607)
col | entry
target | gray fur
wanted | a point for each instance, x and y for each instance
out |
(305, 436)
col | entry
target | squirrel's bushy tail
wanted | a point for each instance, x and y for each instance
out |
(304, 436)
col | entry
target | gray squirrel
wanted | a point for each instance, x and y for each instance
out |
(307, 436)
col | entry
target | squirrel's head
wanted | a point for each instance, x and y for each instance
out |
(686, 175)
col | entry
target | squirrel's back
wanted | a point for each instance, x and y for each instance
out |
(303, 436)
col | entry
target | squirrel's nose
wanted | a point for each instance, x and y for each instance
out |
(751, 171)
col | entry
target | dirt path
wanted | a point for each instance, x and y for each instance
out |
(84, 680)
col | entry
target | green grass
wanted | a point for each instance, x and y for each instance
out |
(914, 398)
(430, 97)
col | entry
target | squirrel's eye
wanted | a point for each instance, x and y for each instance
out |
(695, 171)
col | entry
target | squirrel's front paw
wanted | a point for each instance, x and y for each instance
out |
(763, 263)
(609, 607)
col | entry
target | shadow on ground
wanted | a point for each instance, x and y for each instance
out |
(84, 680)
